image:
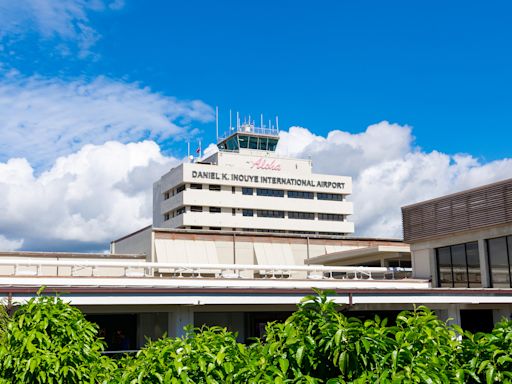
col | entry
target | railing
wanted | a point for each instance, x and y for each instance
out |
(246, 128)
(97, 268)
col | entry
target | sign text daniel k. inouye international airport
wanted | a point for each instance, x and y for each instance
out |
(269, 180)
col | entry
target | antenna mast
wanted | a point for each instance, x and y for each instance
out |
(217, 123)
(230, 125)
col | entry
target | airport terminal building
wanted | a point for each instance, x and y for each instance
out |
(247, 187)
(239, 237)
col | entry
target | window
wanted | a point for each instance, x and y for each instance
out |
(247, 212)
(300, 195)
(233, 189)
(196, 208)
(195, 227)
(196, 186)
(500, 259)
(329, 196)
(214, 187)
(166, 195)
(331, 217)
(233, 211)
(270, 213)
(214, 228)
(301, 215)
(180, 211)
(167, 216)
(269, 192)
(214, 209)
(180, 189)
(459, 265)
(247, 191)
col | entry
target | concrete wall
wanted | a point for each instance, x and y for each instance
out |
(139, 242)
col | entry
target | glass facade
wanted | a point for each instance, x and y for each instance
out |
(499, 252)
(459, 265)
(270, 192)
(329, 196)
(301, 215)
(300, 195)
(330, 217)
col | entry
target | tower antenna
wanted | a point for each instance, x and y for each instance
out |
(217, 123)
(230, 118)
(277, 123)
(261, 120)
(237, 120)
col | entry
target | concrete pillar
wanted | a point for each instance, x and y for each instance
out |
(484, 265)
(434, 276)
(178, 319)
(453, 313)
(500, 314)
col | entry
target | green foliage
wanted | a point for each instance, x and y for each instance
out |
(207, 355)
(488, 356)
(49, 341)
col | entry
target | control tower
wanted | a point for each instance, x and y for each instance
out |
(247, 186)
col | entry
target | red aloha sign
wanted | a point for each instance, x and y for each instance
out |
(261, 163)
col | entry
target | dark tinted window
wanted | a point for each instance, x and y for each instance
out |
(329, 196)
(499, 262)
(247, 212)
(330, 217)
(300, 195)
(270, 192)
(301, 215)
(269, 213)
(247, 191)
(459, 265)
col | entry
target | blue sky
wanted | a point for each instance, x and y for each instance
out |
(98, 97)
(441, 67)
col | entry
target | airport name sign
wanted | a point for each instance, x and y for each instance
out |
(268, 180)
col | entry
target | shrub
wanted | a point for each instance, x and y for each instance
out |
(49, 341)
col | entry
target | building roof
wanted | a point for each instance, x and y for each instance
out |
(485, 206)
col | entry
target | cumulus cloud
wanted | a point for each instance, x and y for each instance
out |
(44, 118)
(67, 20)
(389, 171)
(83, 201)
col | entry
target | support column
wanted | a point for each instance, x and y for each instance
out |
(453, 312)
(484, 266)
(178, 319)
(500, 314)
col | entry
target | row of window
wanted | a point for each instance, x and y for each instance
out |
(270, 231)
(293, 215)
(261, 192)
(292, 194)
(459, 265)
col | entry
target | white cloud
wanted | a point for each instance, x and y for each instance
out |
(44, 118)
(10, 245)
(389, 171)
(67, 20)
(84, 200)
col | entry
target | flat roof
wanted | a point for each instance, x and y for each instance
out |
(475, 189)
(257, 233)
(360, 252)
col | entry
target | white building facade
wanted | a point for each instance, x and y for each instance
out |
(246, 186)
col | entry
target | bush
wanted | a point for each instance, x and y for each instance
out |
(49, 341)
